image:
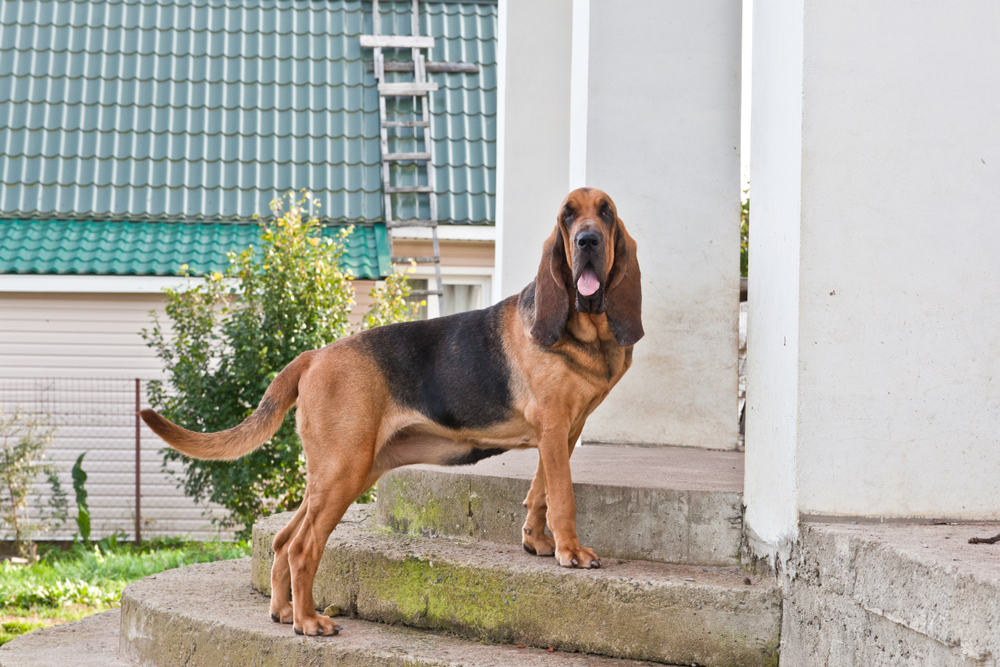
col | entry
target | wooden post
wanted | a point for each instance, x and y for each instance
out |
(138, 464)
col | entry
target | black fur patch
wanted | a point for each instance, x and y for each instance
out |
(451, 369)
(474, 455)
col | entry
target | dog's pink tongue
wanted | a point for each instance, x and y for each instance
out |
(587, 284)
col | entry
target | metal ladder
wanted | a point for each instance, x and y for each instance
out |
(418, 89)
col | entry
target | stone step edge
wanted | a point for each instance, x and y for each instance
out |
(662, 525)
(207, 615)
(922, 578)
(89, 642)
(676, 614)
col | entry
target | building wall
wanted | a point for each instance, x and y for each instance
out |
(663, 138)
(73, 358)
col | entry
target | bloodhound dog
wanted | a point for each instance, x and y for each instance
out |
(526, 372)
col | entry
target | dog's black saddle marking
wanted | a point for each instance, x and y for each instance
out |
(452, 369)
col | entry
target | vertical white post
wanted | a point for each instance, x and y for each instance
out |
(874, 375)
(579, 94)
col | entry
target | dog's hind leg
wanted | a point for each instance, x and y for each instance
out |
(335, 481)
(533, 537)
(281, 578)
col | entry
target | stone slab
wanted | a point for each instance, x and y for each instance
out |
(207, 615)
(666, 504)
(89, 642)
(678, 614)
(893, 594)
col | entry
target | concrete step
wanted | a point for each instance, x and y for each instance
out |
(207, 615)
(665, 504)
(91, 642)
(677, 614)
(899, 595)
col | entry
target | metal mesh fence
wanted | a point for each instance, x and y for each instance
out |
(129, 490)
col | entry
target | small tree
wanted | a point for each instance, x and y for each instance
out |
(231, 335)
(24, 440)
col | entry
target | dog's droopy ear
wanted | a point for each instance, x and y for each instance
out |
(551, 297)
(624, 295)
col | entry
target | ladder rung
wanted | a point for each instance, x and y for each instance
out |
(406, 156)
(406, 123)
(409, 188)
(410, 223)
(406, 89)
(425, 292)
(430, 259)
(397, 41)
(430, 68)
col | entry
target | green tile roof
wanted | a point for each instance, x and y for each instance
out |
(207, 109)
(156, 248)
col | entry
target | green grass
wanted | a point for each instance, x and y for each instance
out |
(86, 579)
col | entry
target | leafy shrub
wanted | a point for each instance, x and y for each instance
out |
(745, 237)
(232, 333)
(82, 508)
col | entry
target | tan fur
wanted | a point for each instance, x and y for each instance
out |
(233, 443)
(353, 432)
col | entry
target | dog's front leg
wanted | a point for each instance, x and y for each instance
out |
(553, 458)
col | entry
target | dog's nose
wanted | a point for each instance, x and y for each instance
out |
(588, 241)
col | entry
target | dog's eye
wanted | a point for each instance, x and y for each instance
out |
(568, 217)
(607, 214)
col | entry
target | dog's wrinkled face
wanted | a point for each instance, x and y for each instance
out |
(587, 223)
(588, 263)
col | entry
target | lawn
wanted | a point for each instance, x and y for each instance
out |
(66, 585)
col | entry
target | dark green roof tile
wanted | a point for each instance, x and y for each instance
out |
(154, 248)
(208, 109)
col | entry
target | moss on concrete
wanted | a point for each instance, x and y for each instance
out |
(497, 593)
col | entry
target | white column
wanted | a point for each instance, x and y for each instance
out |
(663, 139)
(874, 329)
(534, 118)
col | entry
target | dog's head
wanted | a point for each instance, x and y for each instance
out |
(588, 263)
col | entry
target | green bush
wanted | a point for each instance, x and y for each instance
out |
(744, 237)
(232, 333)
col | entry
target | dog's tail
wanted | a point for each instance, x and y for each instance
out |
(255, 430)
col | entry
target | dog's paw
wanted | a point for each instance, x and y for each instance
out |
(281, 614)
(577, 556)
(538, 544)
(316, 626)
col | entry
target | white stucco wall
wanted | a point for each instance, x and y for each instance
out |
(660, 133)
(900, 337)
(663, 139)
(898, 357)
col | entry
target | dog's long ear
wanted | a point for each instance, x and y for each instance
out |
(551, 297)
(624, 296)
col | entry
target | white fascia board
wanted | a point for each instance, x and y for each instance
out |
(424, 270)
(448, 233)
(90, 284)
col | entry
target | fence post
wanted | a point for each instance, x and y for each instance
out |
(138, 463)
